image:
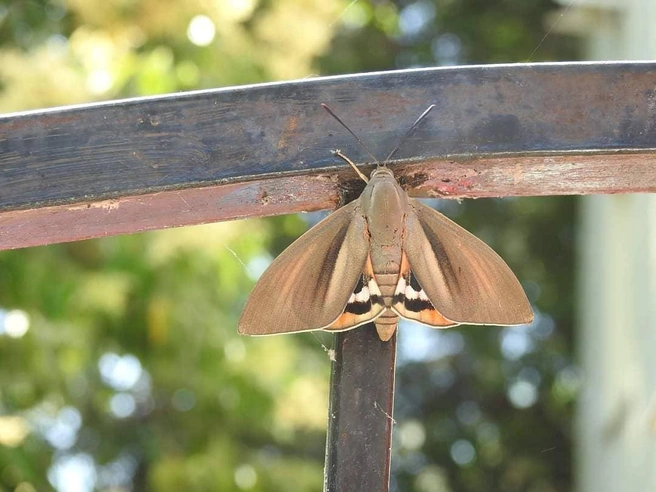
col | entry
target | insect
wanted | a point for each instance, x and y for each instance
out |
(379, 257)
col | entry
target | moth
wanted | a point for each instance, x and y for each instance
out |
(381, 257)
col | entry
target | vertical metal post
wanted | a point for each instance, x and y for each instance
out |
(359, 440)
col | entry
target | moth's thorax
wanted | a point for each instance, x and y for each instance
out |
(385, 205)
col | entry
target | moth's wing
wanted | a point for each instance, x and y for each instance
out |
(411, 301)
(365, 303)
(465, 280)
(309, 284)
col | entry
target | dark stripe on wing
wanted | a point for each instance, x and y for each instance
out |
(362, 283)
(413, 305)
(443, 261)
(364, 306)
(418, 305)
(413, 282)
(329, 261)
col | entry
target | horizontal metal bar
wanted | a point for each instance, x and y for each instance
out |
(259, 150)
(454, 178)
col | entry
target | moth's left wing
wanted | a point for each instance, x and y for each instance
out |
(309, 285)
(462, 277)
(365, 304)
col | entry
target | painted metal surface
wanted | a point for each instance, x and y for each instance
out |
(360, 421)
(498, 130)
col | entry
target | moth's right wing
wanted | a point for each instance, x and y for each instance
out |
(462, 277)
(310, 284)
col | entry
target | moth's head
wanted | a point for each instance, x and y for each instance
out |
(381, 172)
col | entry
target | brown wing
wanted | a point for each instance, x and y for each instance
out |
(308, 286)
(465, 280)
(365, 304)
(411, 301)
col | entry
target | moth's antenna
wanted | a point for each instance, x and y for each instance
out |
(409, 132)
(339, 154)
(330, 112)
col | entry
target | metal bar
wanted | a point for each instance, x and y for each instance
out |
(499, 130)
(453, 178)
(359, 439)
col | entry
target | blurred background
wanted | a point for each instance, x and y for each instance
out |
(120, 364)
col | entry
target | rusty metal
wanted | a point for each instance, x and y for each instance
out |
(497, 130)
(453, 178)
(360, 421)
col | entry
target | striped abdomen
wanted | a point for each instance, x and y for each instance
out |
(386, 323)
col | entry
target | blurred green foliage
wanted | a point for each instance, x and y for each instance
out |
(132, 376)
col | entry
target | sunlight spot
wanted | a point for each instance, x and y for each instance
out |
(432, 479)
(122, 405)
(73, 473)
(257, 265)
(235, 350)
(412, 434)
(356, 15)
(416, 17)
(543, 325)
(59, 428)
(516, 342)
(462, 452)
(522, 394)
(62, 431)
(99, 81)
(117, 475)
(239, 10)
(187, 72)
(419, 343)
(447, 49)
(201, 30)
(57, 44)
(13, 430)
(121, 373)
(245, 477)
(14, 323)
(25, 487)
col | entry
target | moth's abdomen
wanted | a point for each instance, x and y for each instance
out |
(387, 285)
(386, 323)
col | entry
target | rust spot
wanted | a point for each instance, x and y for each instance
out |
(466, 183)
(444, 190)
(350, 190)
(290, 129)
(517, 173)
(414, 180)
(107, 205)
